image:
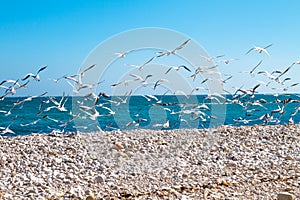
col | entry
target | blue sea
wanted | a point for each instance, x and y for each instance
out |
(171, 112)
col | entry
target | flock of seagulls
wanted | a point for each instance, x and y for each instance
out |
(93, 106)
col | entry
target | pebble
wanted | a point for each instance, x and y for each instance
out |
(222, 163)
(284, 196)
(99, 178)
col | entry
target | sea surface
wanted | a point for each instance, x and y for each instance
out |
(146, 112)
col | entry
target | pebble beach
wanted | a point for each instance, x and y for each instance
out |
(249, 162)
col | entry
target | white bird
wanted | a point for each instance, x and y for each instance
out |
(267, 74)
(260, 49)
(204, 69)
(91, 112)
(281, 74)
(124, 54)
(196, 89)
(35, 76)
(177, 68)
(141, 67)
(167, 124)
(227, 61)
(57, 79)
(29, 99)
(111, 112)
(278, 110)
(4, 130)
(152, 97)
(58, 105)
(210, 59)
(296, 111)
(143, 80)
(291, 121)
(163, 53)
(79, 76)
(125, 82)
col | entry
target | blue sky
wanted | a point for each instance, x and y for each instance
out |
(61, 34)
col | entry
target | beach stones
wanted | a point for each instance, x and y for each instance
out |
(224, 163)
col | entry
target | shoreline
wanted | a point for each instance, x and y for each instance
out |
(246, 162)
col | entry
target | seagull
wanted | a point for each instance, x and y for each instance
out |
(291, 121)
(163, 53)
(143, 80)
(204, 69)
(29, 99)
(267, 74)
(87, 69)
(35, 76)
(111, 112)
(4, 130)
(296, 111)
(58, 105)
(36, 121)
(65, 124)
(141, 67)
(196, 89)
(78, 81)
(177, 68)
(57, 79)
(124, 54)
(165, 125)
(286, 88)
(284, 72)
(251, 91)
(260, 49)
(278, 110)
(101, 94)
(151, 97)
(210, 59)
(226, 61)
(94, 113)
(256, 103)
(125, 82)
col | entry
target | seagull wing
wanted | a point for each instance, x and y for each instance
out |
(185, 67)
(255, 87)
(168, 70)
(249, 51)
(148, 61)
(90, 67)
(256, 67)
(41, 69)
(182, 45)
(268, 46)
(285, 71)
(27, 76)
(136, 76)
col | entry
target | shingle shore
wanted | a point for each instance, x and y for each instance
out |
(256, 162)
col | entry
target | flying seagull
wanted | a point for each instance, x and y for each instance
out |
(260, 49)
(177, 68)
(35, 76)
(162, 53)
